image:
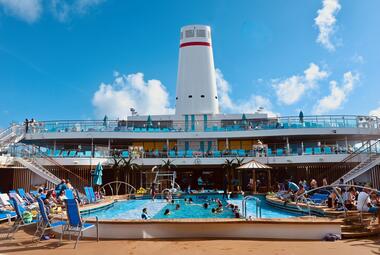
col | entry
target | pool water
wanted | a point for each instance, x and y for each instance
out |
(132, 209)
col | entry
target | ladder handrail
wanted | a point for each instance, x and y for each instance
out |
(258, 206)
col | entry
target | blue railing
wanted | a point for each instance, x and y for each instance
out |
(330, 121)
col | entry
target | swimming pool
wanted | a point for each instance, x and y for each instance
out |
(132, 209)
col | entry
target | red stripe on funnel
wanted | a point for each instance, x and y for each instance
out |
(195, 44)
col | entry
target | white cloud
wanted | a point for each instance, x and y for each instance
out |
(338, 94)
(375, 112)
(325, 22)
(62, 10)
(126, 91)
(358, 59)
(27, 10)
(243, 106)
(290, 90)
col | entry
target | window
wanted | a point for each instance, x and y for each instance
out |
(216, 97)
(201, 33)
(202, 96)
(190, 96)
(189, 33)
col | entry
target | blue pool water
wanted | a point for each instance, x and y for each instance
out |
(131, 209)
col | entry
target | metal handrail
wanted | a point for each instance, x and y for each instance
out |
(258, 206)
(236, 124)
(117, 186)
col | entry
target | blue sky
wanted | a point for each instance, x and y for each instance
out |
(80, 59)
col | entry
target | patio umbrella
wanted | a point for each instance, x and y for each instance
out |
(98, 175)
(149, 121)
(244, 119)
(254, 165)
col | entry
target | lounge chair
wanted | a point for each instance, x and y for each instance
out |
(308, 151)
(88, 154)
(72, 154)
(69, 194)
(64, 154)
(327, 150)
(19, 222)
(172, 154)
(90, 194)
(125, 154)
(27, 197)
(280, 152)
(75, 222)
(317, 150)
(45, 222)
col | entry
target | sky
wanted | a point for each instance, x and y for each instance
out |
(82, 59)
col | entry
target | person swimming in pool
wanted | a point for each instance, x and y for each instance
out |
(205, 205)
(177, 206)
(167, 212)
(144, 214)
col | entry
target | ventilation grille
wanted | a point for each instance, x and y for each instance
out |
(201, 33)
(189, 33)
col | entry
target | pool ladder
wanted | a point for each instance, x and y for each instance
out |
(258, 206)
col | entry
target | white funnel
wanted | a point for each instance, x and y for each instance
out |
(196, 83)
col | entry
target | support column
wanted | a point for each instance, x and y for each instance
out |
(269, 181)
(287, 146)
(227, 144)
(109, 146)
(302, 148)
(54, 146)
(254, 181)
(346, 142)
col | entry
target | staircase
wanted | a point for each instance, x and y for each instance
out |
(371, 159)
(38, 169)
(360, 169)
(10, 136)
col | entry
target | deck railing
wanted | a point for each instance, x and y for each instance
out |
(197, 125)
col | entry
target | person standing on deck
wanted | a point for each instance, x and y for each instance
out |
(301, 116)
(26, 125)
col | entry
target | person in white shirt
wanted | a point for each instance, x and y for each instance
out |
(364, 203)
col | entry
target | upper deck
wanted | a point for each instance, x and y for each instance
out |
(199, 127)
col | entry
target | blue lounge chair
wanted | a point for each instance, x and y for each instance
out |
(88, 195)
(317, 150)
(45, 222)
(181, 154)
(280, 152)
(19, 222)
(27, 197)
(92, 194)
(216, 154)
(80, 154)
(7, 215)
(327, 150)
(69, 194)
(125, 154)
(241, 153)
(318, 198)
(72, 154)
(97, 154)
(57, 153)
(75, 223)
(88, 154)
(189, 154)
(308, 151)
(64, 154)
(172, 154)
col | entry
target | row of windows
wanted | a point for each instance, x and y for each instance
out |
(191, 96)
(196, 33)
